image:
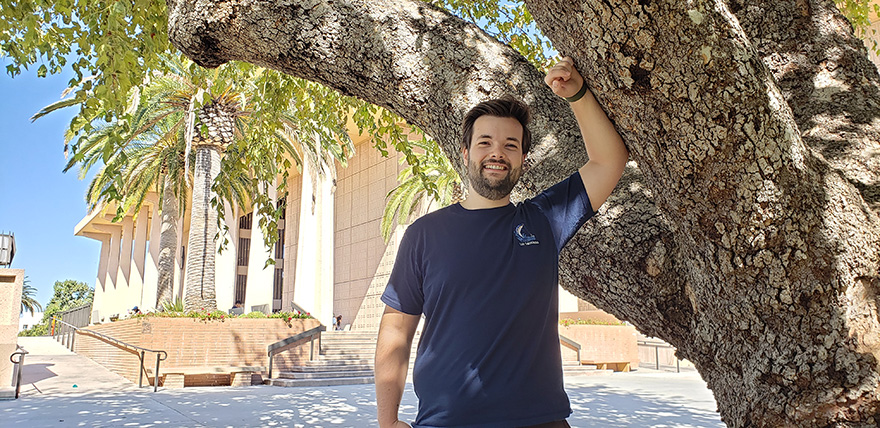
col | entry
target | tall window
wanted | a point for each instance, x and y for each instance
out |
(278, 283)
(244, 246)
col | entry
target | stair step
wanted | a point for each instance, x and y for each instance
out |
(321, 382)
(335, 368)
(585, 372)
(338, 362)
(7, 393)
(325, 374)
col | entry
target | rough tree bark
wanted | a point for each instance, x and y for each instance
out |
(755, 255)
(167, 244)
(218, 121)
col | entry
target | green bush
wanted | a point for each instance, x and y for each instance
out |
(568, 321)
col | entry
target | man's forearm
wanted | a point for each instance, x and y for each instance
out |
(393, 346)
(601, 139)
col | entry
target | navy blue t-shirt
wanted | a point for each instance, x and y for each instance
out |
(486, 281)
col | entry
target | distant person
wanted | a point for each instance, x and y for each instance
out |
(338, 323)
(237, 308)
(135, 311)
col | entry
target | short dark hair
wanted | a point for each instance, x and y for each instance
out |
(506, 106)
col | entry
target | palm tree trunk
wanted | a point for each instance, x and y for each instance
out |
(199, 286)
(167, 244)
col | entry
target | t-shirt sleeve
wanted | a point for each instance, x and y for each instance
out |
(404, 289)
(566, 206)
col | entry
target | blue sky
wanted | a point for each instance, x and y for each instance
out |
(38, 202)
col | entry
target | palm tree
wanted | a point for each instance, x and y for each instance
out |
(28, 302)
(438, 182)
(208, 110)
(149, 157)
(216, 124)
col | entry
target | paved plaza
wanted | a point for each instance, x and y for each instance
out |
(646, 398)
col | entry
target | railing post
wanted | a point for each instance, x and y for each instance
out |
(312, 348)
(156, 381)
(271, 357)
(73, 340)
(18, 375)
(677, 366)
(657, 357)
(141, 371)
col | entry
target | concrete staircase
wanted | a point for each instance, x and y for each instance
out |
(346, 358)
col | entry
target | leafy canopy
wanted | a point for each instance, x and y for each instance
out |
(113, 47)
(67, 294)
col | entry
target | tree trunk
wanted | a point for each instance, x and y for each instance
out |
(753, 254)
(167, 243)
(218, 121)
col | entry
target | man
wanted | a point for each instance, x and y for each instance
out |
(237, 308)
(484, 274)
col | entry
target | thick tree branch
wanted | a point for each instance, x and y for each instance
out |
(765, 271)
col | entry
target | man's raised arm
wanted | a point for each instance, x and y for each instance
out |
(605, 148)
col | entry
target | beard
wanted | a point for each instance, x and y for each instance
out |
(493, 189)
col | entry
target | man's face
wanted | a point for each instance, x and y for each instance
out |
(495, 156)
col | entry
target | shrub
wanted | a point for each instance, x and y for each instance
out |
(568, 321)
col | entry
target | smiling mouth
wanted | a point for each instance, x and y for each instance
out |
(495, 167)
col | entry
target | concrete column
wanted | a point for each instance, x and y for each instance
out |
(313, 285)
(259, 279)
(151, 268)
(136, 278)
(225, 262)
(108, 306)
(101, 283)
(567, 302)
(123, 293)
(11, 283)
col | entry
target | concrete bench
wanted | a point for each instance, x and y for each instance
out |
(618, 366)
(238, 375)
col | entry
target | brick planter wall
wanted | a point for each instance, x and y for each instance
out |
(603, 343)
(191, 342)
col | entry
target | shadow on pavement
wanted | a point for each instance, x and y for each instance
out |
(34, 373)
(603, 404)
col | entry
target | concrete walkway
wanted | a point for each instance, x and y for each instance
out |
(645, 398)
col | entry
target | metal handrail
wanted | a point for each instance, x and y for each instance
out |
(285, 344)
(571, 344)
(657, 346)
(160, 354)
(19, 367)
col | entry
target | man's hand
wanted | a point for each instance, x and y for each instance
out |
(604, 146)
(564, 79)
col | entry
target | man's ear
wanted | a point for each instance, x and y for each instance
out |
(464, 154)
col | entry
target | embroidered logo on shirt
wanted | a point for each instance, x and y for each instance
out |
(523, 236)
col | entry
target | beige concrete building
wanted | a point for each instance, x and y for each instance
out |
(329, 255)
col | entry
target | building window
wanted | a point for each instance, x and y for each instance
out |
(244, 245)
(278, 283)
(240, 288)
(246, 221)
(279, 245)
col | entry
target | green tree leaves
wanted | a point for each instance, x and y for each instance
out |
(67, 294)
